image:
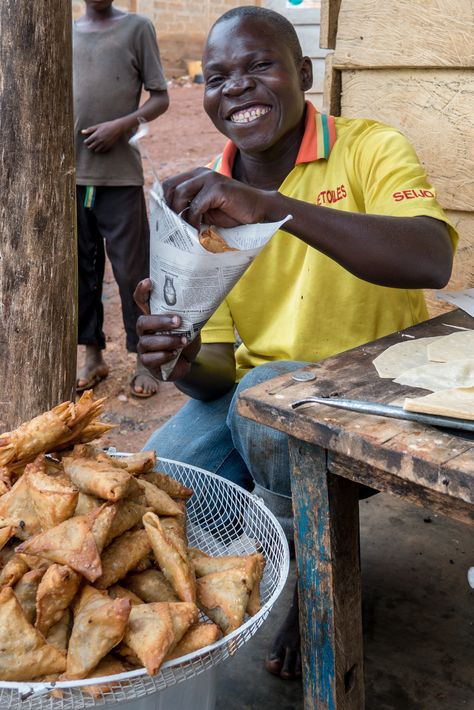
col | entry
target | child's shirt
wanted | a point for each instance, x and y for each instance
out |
(110, 68)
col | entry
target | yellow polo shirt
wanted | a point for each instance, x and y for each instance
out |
(294, 303)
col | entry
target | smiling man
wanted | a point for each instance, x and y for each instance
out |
(347, 268)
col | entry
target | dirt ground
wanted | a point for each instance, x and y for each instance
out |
(180, 139)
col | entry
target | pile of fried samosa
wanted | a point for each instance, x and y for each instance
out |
(96, 576)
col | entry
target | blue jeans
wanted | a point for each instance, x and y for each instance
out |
(213, 436)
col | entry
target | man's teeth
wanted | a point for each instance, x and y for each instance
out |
(249, 114)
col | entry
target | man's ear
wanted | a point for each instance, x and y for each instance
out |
(306, 74)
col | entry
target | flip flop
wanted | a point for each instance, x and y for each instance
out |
(91, 383)
(141, 395)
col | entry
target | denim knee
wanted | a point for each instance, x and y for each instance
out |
(198, 435)
(264, 449)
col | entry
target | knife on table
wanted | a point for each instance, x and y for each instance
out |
(388, 410)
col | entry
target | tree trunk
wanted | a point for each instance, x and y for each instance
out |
(38, 282)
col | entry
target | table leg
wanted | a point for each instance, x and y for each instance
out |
(326, 510)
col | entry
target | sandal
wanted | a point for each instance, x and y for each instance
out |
(92, 382)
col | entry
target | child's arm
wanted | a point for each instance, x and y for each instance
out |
(102, 136)
(402, 252)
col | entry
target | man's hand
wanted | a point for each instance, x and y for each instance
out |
(157, 345)
(203, 372)
(203, 195)
(101, 138)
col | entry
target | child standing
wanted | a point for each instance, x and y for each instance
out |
(115, 56)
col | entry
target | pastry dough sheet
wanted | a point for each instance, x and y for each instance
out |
(457, 402)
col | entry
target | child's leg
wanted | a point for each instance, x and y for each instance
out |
(123, 222)
(91, 264)
(91, 261)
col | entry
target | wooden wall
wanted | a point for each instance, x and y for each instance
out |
(306, 23)
(410, 63)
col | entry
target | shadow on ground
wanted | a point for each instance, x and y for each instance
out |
(418, 619)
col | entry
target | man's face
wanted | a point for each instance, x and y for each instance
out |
(253, 84)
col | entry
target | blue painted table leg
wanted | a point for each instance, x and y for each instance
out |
(326, 509)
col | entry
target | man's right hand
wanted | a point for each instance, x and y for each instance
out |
(157, 345)
(204, 196)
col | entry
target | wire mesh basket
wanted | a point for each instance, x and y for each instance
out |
(223, 519)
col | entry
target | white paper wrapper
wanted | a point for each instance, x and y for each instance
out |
(460, 299)
(188, 280)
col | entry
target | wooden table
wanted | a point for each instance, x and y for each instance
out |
(331, 452)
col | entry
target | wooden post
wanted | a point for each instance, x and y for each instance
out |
(38, 283)
(326, 509)
(328, 27)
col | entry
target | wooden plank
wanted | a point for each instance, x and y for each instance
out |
(351, 434)
(327, 551)
(350, 372)
(332, 88)
(463, 269)
(319, 68)
(329, 19)
(434, 109)
(415, 33)
(464, 460)
(361, 472)
(417, 458)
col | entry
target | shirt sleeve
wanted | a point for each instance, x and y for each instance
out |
(394, 182)
(148, 56)
(220, 326)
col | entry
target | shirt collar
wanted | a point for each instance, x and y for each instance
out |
(318, 139)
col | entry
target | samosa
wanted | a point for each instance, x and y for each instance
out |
(70, 543)
(197, 636)
(99, 625)
(224, 596)
(121, 556)
(150, 634)
(156, 499)
(151, 586)
(172, 558)
(100, 479)
(54, 500)
(24, 653)
(56, 591)
(17, 507)
(25, 591)
(205, 564)
(171, 486)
